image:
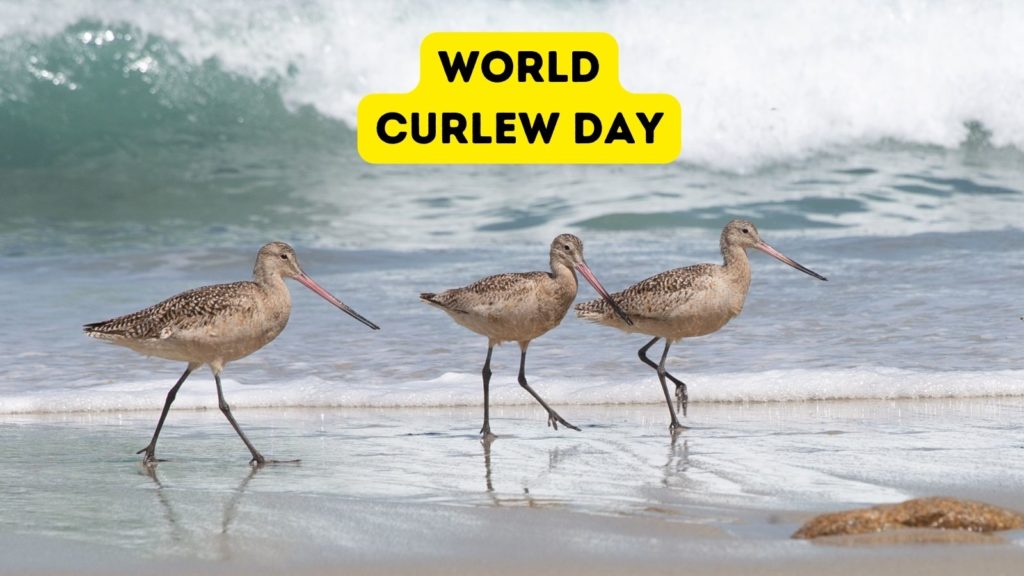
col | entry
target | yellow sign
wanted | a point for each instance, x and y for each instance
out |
(519, 98)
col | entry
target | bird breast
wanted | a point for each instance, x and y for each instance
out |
(246, 331)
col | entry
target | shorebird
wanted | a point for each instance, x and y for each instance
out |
(687, 302)
(215, 325)
(519, 307)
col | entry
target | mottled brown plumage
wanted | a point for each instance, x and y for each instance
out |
(674, 295)
(215, 325)
(209, 325)
(687, 302)
(519, 307)
(185, 310)
(510, 307)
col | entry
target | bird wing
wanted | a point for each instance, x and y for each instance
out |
(487, 292)
(652, 297)
(185, 311)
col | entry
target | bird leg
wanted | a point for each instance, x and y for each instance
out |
(682, 398)
(150, 458)
(642, 353)
(662, 374)
(553, 418)
(485, 432)
(257, 458)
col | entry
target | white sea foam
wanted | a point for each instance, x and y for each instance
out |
(759, 82)
(463, 389)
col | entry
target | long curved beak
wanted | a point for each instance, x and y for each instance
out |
(764, 247)
(309, 283)
(584, 270)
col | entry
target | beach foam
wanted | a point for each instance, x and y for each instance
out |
(463, 389)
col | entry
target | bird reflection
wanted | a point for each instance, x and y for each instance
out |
(231, 508)
(179, 533)
(556, 457)
(496, 500)
(678, 461)
(487, 441)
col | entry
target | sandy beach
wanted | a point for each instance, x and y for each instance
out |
(415, 491)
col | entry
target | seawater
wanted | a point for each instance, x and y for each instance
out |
(146, 149)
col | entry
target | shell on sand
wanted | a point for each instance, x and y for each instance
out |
(934, 513)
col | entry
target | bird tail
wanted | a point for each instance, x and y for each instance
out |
(592, 309)
(105, 330)
(95, 327)
(442, 301)
(95, 330)
(431, 298)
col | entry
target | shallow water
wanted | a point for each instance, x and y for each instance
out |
(745, 473)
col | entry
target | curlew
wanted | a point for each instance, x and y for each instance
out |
(687, 302)
(519, 307)
(215, 325)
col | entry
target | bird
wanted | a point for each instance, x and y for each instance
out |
(687, 302)
(520, 307)
(216, 324)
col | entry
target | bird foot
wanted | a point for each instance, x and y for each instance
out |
(485, 433)
(682, 399)
(554, 420)
(675, 427)
(258, 461)
(150, 458)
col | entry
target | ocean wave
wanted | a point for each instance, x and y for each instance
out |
(110, 91)
(760, 83)
(463, 389)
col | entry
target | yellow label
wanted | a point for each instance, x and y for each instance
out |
(519, 98)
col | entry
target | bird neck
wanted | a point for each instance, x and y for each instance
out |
(268, 280)
(736, 262)
(563, 273)
(278, 297)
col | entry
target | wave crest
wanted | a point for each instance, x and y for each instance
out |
(759, 84)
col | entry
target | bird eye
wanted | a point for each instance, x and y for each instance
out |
(745, 231)
(284, 256)
(566, 247)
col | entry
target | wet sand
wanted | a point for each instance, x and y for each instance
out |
(413, 490)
